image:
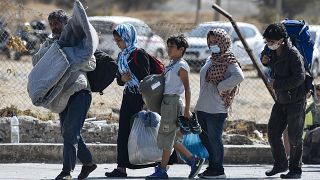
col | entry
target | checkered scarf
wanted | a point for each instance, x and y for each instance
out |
(220, 63)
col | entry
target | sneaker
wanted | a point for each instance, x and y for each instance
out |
(158, 174)
(275, 170)
(211, 174)
(184, 125)
(196, 165)
(194, 124)
(86, 170)
(63, 175)
(291, 175)
(116, 173)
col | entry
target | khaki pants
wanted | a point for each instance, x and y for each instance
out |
(170, 111)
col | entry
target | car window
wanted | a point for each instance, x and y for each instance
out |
(142, 28)
(103, 27)
(247, 32)
(313, 35)
(201, 31)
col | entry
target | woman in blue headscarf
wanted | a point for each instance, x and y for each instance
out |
(133, 66)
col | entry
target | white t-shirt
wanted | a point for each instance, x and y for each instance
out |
(173, 83)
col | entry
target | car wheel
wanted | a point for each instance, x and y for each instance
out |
(159, 53)
(315, 68)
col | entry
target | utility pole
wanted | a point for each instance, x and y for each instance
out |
(198, 11)
(279, 10)
(216, 16)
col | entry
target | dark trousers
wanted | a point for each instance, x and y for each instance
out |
(211, 137)
(283, 115)
(131, 104)
(71, 122)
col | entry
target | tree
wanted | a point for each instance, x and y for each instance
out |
(127, 5)
(290, 8)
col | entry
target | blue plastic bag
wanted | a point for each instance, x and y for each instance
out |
(193, 143)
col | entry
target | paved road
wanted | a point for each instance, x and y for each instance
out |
(28, 171)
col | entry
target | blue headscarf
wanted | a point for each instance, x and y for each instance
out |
(128, 33)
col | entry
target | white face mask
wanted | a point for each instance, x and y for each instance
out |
(215, 49)
(274, 46)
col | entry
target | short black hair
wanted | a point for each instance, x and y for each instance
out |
(179, 40)
(275, 31)
(59, 15)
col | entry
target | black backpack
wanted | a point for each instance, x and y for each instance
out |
(104, 74)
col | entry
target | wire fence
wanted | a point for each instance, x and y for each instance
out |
(22, 31)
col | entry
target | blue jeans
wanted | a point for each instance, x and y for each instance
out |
(211, 137)
(71, 122)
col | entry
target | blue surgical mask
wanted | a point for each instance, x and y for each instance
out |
(215, 49)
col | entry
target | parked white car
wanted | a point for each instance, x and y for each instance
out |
(315, 34)
(198, 50)
(147, 40)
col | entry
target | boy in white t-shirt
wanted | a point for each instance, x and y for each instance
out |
(176, 82)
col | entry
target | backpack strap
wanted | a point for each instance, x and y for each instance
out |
(135, 56)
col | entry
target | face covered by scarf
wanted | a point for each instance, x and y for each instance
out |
(221, 61)
(128, 33)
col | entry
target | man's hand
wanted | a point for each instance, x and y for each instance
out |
(265, 60)
(125, 77)
(270, 83)
(309, 94)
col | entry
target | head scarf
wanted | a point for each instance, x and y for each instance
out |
(220, 62)
(128, 33)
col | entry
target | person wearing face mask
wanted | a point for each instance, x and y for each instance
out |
(219, 80)
(287, 81)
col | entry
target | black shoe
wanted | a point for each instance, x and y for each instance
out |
(63, 175)
(86, 170)
(291, 175)
(116, 173)
(184, 125)
(194, 124)
(276, 170)
(211, 174)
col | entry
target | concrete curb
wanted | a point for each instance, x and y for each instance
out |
(106, 153)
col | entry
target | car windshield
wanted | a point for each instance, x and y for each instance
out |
(103, 27)
(313, 35)
(201, 31)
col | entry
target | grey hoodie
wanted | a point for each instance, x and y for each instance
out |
(209, 100)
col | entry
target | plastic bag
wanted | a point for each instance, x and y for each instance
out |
(142, 143)
(193, 143)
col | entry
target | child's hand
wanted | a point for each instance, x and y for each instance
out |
(125, 77)
(265, 60)
(187, 114)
